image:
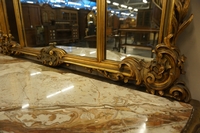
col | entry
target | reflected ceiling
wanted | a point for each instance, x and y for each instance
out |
(122, 8)
(140, 4)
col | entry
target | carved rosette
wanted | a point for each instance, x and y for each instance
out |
(6, 44)
(51, 56)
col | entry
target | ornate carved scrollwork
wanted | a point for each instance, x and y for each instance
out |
(160, 75)
(51, 55)
(134, 66)
(164, 71)
(112, 76)
(6, 44)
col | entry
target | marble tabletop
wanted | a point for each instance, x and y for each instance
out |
(36, 98)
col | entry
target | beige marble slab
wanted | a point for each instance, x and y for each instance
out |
(35, 98)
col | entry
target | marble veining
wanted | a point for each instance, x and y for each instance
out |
(36, 98)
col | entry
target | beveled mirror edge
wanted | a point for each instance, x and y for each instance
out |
(159, 76)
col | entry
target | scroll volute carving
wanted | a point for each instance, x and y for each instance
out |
(160, 76)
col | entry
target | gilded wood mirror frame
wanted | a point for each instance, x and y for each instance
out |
(160, 76)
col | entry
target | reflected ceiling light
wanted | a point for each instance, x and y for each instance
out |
(144, 1)
(124, 6)
(117, 12)
(115, 3)
(30, 2)
(108, 1)
(86, 5)
(57, 5)
(36, 73)
(127, 14)
(58, 92)
(25, 106)
(142, 128)
(130, 8)
(132, 15)
(123, 13)
(74, 3)
(94, 7)
(112, 11)
(135, 9)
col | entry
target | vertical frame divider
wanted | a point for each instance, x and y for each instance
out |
(20, 22)
(101, 30)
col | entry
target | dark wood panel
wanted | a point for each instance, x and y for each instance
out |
(31, 37)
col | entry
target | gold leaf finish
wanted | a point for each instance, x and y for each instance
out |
(6, 44)
(51, 55)
(134, 67)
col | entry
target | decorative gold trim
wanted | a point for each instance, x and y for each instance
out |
(6, 44)
(51, 55)
(159, 76)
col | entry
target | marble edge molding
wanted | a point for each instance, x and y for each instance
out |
(193, 124)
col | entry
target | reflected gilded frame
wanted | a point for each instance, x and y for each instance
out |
(160, 76)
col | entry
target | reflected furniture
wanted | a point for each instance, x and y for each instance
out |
(132, 32)
(60, 25)
(32, 20)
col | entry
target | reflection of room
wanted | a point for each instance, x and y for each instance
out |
(63, 22)
(135, 25)
(72, 23)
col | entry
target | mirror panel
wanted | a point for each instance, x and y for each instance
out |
(132, 28)
(67, 24)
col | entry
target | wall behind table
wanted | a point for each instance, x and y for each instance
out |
(189, 44)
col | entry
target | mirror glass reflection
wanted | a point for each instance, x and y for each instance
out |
(69, 24)
(132, 27)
